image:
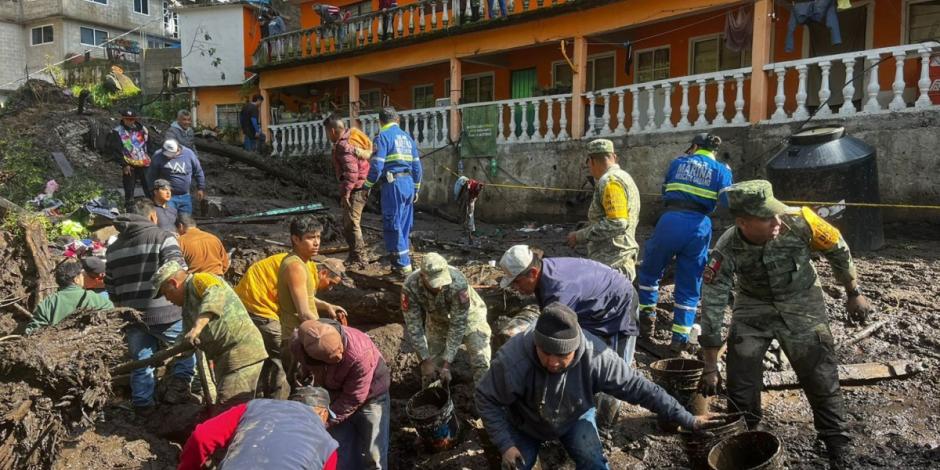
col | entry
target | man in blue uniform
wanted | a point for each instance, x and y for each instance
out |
(396, 163)
(690, 194)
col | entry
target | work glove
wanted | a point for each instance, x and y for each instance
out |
(710, 383)
(859, 309)
(512, 459)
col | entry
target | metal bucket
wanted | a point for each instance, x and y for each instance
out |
(680, 378)
(697, 445)
(432, 413)
(754, 450)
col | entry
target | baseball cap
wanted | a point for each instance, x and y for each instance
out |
(171, 147)
(93, 265)
(165, 272)
(129, 114)
(161, 184)
(514, 262)
(600, 146)
(756, 198)
(435, 270)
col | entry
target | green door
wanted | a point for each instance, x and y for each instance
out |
(523, 84)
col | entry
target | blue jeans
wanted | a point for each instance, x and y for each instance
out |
(183, 203)
(252, 144)
(580, 441)
(502, 8)
(363, 437)
(143, 342)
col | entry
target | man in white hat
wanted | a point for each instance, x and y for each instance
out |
(442, 312)
(178, 165)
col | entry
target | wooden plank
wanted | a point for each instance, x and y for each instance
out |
(849, 374)
(63, 164)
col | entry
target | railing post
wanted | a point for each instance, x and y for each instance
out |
(684, 107)
(702, 106)
(434, 14)
(872, 105)
(780, 98)
(923, 85)
(456, 84)
(578, 82)
(621, 115)
(650, 109)
(537, 121)
(512, 123)
(720, 104)
(635, 112)
(801, 112)
(897, 103)
(592, 101)
(563, 122)
(500, 128)
(824, 92)
(445, 133)
(739, 100)
(550, 121)
(848, 91)
(760, 56)
(667, 107)
(524, 136)
(606, 129)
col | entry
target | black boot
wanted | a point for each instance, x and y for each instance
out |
(647, 323)
(838, 450)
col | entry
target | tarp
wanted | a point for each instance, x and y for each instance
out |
(479, 131)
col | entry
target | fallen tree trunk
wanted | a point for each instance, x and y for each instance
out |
(38, 246)
(157, 359)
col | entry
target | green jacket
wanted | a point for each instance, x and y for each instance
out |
(55, 308)
(447, 317)
(613, 217)
(775, 278)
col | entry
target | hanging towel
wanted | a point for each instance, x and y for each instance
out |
(739, 29)
(818, 11)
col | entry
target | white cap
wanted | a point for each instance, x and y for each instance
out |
(171, 147)
(514, 262)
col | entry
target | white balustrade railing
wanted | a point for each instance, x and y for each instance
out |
(860, 69)
(299, 138)
(534, 119)
(648, 107)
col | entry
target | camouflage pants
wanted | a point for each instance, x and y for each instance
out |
(236, 386)
(477, 342)
(812, 355)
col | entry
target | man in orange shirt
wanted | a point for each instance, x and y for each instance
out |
(203, 251)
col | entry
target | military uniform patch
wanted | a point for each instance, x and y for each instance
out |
(404, 302)
(711, 268)
(825, 236)
(615, 201)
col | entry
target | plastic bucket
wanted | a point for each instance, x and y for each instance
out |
(754, 450)
(680, 378)
(432, 413)
(697, 445)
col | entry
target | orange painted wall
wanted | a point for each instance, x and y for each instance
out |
(252, 33)
(208, 98)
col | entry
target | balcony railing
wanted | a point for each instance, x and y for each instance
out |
(535, 119)
(792, 98)
(406, 21)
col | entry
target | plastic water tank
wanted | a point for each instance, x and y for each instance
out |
(822, 164)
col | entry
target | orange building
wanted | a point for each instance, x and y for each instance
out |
(558, 70)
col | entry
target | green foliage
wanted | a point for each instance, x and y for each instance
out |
(166, 107)
(102, 97)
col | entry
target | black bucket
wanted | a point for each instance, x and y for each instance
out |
(754, 450)
(697, 445)
(432, 413)
(680, 378)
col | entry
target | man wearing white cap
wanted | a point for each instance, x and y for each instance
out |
(442, 312)
(178, 164)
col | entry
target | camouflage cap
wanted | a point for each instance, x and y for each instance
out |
(435, 271)
(600, 146)
(756, 198)
(165, 272)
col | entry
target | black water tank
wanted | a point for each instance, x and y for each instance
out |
(823, 164)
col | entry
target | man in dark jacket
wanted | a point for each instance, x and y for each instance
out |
(140, 249)
(181, 130)
(541, 384)
(130, 145)
(351, 171)
(178, 165)
(347, 363)
(250, 120)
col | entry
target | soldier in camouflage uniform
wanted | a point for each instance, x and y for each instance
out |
(442, 312)
(614, 212)
(216, 322)
(765, 259)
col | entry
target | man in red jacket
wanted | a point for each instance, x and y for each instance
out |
(352, 167)
(347, 363)
(266, 434)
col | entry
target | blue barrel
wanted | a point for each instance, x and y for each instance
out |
(432, 413)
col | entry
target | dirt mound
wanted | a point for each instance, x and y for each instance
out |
(56, 380)
(35, 92)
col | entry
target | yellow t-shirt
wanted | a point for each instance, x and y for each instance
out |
(258, 287)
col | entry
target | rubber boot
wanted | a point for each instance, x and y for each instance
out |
(838, 452)
(680, 349)
(647, 323)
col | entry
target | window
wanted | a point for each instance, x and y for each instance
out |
(358, 9)
(170, 21)
(93, 37)
(711, 55)
(599, 75)
(923, 21)
(652, 64)
(370, 100)
(42, 35)
(226, 115)
(142, 7)
(477, 89)
(423, 96)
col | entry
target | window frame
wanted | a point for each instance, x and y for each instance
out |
(414, 100)
(636, 62)
(367, 92)
(42, 27)
(708, 37)
(591, 58)
(142, 2)
(94, 30)
(906, 19)
(237, 107)
(463, 83)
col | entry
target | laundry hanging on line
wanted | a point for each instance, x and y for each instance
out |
(739, 29)
(815, 11)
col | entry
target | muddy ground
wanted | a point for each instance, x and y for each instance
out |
(894, 422)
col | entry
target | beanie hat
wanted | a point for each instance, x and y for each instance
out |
(557, 331)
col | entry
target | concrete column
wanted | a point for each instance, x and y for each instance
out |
(265, 112)
(456, 92)
(353, 98)
(760, 56)
(578, 84)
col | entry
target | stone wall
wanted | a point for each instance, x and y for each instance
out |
(906, 142)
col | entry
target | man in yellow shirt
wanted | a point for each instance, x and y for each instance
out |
(258, 292)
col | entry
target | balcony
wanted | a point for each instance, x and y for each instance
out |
(696, 102)
(405, 24)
